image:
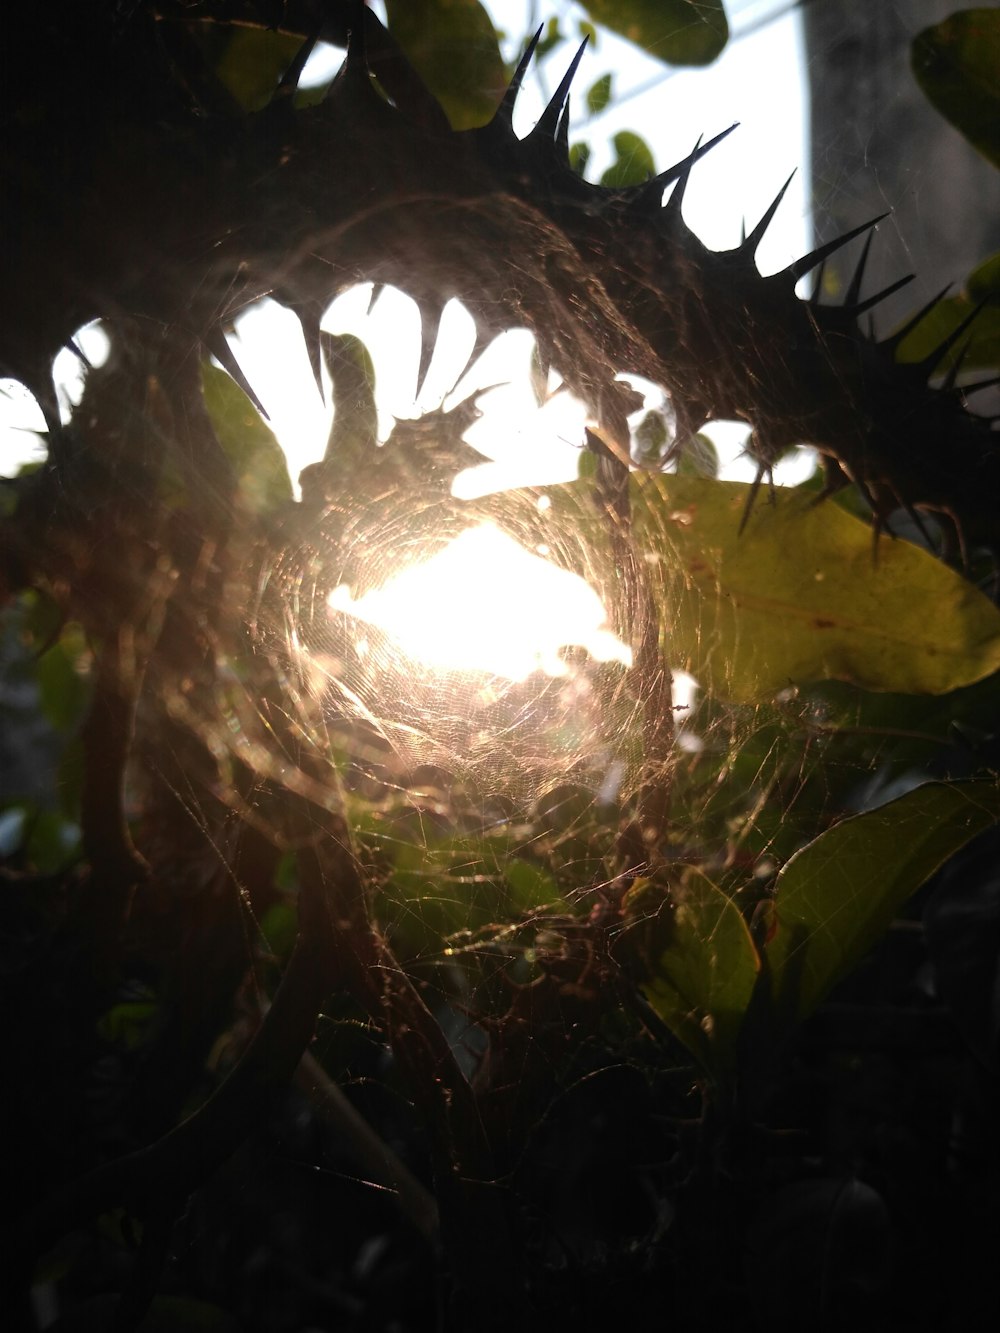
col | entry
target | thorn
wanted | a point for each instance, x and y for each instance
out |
(763, 470)
(934, 359)
(955, 369)
(79, 353)
(854, 288)
(880, 523)
(802, 266)
(309, 314)
(217, 343)
(354, 70)
(743, 232)
(397, 76)
(548, 121)
(562, 136)
(309, 319)
(752, 241)
(377, 289)
(870, 302)
(288, 86)
(981, 384)
(504, 114)
(893, 341)
(817, 290)
(430, 326)
(652, 190)
(672, 208)
(357, 45)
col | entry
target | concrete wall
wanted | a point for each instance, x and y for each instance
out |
(877, 143)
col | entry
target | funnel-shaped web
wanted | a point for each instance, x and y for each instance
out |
(480, 635)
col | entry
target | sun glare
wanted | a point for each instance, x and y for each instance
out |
(486, 604)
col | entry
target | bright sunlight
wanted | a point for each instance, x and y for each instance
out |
(486, 604)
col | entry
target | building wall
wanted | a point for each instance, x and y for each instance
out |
(877, 143)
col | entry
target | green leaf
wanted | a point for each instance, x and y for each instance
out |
(531, 885)
(453, 46)
(679, 32)
(252, 63)
(51, 842)
(62, 689)
(579, 156)
(983, 283)
(599, 94)
(798, 597)
(126, 1024)
(652, 437)
(837, 896)
(983, 337)
(957, 64)
(698, 458)
(704, 978)
(258, 459)
(354, 432)
(633, 162)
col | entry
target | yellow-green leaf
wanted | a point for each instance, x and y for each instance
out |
(838, 895)
(599, 94)
(453, 46)
(633, 162)
(798, 596)
(979, 350)
(680, 32)
(704, 978)
(256, 456)
(252, 63)
(957, 64)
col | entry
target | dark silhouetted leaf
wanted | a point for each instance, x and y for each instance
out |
(819, 1256)
(957, 64)
(962, 925)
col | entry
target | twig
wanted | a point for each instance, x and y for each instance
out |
(415, 1203)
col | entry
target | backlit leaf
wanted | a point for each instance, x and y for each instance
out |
(633, 161)
(680, 32)
(599, 95)
(979, 348)
(797, 596)
(838, 895)
(256, 455)
(252, 63)
(453, 46)
(703, 980)
(957, 64)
